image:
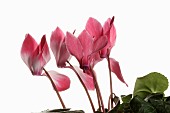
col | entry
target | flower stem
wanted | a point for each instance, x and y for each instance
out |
(111, 89)
(98, 90)
(98, 98)
(88, 95)
(57, 92)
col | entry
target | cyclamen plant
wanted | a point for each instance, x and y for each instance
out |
(92, 45)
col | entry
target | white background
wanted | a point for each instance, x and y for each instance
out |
(142, 46)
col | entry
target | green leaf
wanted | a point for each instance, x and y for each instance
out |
(121, 108)
(152, 83)
(126, 98)
(160, 103)
(138, 105)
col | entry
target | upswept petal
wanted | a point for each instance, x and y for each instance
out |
(105, 52)
(74, 46)
(36, 61)
(111, 43)
(87, 79)
(115, 68)
(112, 36)
(100, 43)
(110, 31)
(64, 56)
(106, 26)
(62, 82)
(40, 57)
(45, 49)
(28, 47)
(94, 27)
(56, 40)
(87, 42)
(95, 58)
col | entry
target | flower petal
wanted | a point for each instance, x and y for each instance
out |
(62, 82)
(64, 56)
(94, 27)
(115, 68)
(56, 40)
(74, 46)
(28, 47)
(100, 43)
(40, 57)
(112, 36)
(106, 26)
(110, 31)
(87, 42)
(45, 49)
(95, 58)
(87, 79)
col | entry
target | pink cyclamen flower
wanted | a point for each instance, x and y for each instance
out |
(84, 46)
(35, 56)
(58, 47)
(61, 54)
(96, 30)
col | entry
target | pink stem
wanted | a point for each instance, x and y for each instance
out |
(111, 88)
(98, 90)
(88, 95)
(61, 101)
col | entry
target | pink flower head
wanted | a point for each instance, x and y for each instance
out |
(58, 47)
(35, 56)
(84, 46)
(96, 30)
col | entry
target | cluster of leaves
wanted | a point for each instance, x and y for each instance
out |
(148, 96)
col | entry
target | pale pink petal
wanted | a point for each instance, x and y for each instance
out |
(56, 40)
(112, 36)
(94, 27)
(95, 58)
(110, 31)
(64, 56)
(100, 43)
(87, 42)
(74, 46)
(40, 57)
(115, 68)
(45, 50)
(105, 51)
(36, 61)
(28, 47)
(106, 26)
(87, 79)
(62, 82)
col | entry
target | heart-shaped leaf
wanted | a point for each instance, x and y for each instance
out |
(152, 83)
